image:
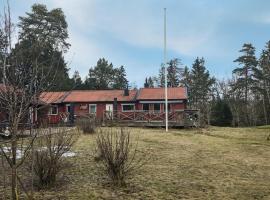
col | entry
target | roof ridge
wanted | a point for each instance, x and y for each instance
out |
(100, 90)
(162, 87)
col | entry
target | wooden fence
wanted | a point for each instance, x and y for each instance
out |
(187, 118)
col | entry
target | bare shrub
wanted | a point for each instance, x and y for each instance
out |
(117, 154)
(86, 124)
(48, 157)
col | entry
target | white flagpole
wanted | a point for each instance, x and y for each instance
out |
(165, 74)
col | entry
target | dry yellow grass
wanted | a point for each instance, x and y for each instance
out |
(214, 163)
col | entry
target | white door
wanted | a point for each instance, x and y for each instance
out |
(109, 111)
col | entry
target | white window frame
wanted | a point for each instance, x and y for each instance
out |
(128, 104)
(50, 111)
(67, 105)
(89, 109)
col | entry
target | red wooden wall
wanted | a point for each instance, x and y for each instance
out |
(81, 109)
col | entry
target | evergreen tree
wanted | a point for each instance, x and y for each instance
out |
(150, 82)
(245, 76)
(161, 76)
(120, 81)
(77, 81)
(174, 72)
(244, 73)
(104, 76)
(200, 89)
(221, 114)
(262, 76)
(146, 84)
(43, 36)
(200, 82)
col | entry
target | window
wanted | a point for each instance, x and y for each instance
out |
(68, 108)
(128, 107)
(146, 107)
(92, 108)
(169, 107)
(156, 107)
(53, 110)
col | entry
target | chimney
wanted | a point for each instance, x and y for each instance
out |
(126, 92)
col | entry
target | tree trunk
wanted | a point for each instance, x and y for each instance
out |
(14, 191)
(264, 111)
(246, 99)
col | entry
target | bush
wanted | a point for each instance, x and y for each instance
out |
(117, 155)
(86, 124)
(48, 160)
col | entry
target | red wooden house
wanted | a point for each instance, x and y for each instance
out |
(152, 99)
(53, 109)
(96, 102)
(143, 105)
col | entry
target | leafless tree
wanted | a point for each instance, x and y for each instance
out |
(19, 96)
(50, 150)
(118, 155)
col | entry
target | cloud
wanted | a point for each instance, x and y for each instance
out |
(131, 32)
(134, 25)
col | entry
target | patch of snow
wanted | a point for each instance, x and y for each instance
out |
(69, 154)
(19, 153)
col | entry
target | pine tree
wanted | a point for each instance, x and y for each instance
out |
(174, 72)
(120, 81)
(245, 76)
(161, 76)
(262, 76)
(43, 36)
(200, 89)
(77, 81)
(101, 76)
(200, 82)
(150, 82)
(146, 84)
(104, 76)
(221, 114)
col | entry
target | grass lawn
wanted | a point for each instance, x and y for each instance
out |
(214, 163)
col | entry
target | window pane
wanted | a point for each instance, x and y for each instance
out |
(156, 107)
(169, 107)
(54, 110)
(146, 107)
(92, 108)
(128, 107)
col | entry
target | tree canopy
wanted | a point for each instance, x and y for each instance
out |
(42, 43)
(105, 76)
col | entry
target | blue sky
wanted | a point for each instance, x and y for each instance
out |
(130, 33)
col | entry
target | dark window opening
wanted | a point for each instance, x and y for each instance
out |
(146, 107)
(68, 108)
(54, 110)
(156, 107)
(129, 107)
(169, 107)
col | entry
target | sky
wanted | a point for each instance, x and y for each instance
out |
(130, 33)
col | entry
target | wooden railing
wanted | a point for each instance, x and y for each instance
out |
(181, 117)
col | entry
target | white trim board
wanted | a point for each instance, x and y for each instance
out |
(172, 101)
